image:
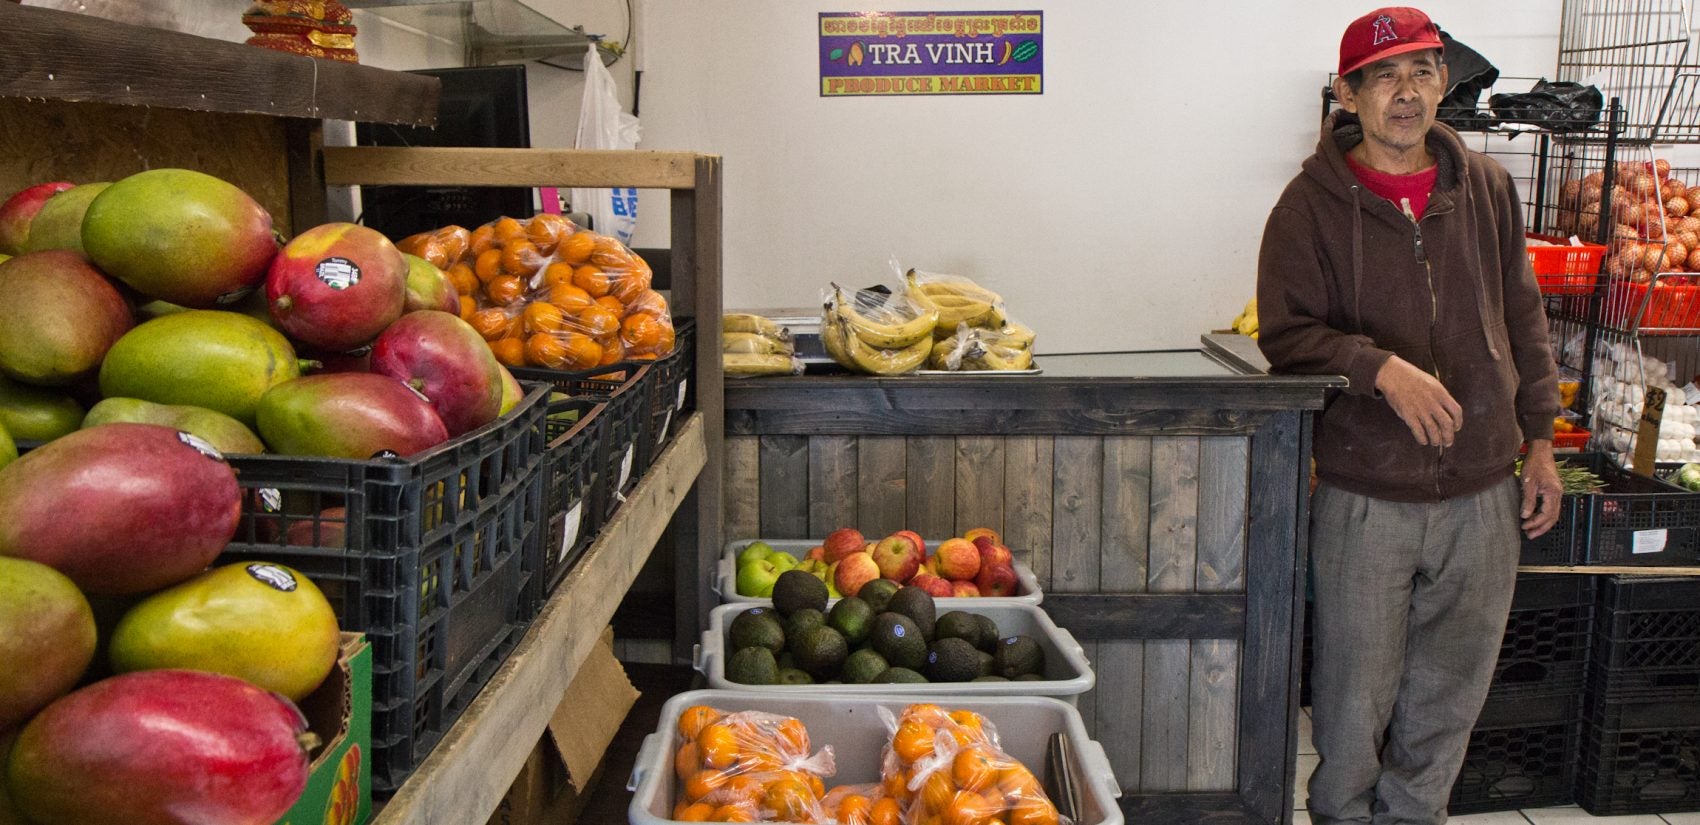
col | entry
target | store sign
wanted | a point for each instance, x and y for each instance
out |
(931, 53)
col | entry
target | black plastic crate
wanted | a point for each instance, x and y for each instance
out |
(1637, 520)
(437, 558)
(1558, 547)
(1545, 649)
(574, 502)
(670, 391)
(1640, 757)
(1522, 754)
(616, 437)
(1647, 638)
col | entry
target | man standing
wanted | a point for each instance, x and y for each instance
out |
(1396, 258)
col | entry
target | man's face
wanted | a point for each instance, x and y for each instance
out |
(1397, 99)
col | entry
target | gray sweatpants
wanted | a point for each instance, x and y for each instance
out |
(1411, 602)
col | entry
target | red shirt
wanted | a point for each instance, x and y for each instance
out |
(1414, 187)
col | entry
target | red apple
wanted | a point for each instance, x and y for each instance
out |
(997, 580)
(958, 559)
(963, 590)
(977, 533)
(337, 286)
(896, 558)
(993, 553)
(815, 553)
(915, 538)
(930, 565)
(19, 209)
(443, 357)
(843, 542)
(853, 571)
(937, 587)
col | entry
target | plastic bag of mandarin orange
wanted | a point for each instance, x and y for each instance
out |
(948, 765)
(861, 805)
(747, 766)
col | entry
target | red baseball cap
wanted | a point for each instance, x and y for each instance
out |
(1384, 33)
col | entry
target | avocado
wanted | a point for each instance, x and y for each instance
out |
(853, 618)
(864, 666)
(796, 590)
(958, 624)
(752, 666)
(899, 640)
(952, 660)
(988, 632)
(802, 620)
(1017, 656)
(899, 675)
(917, 604)
(756, 627)
(988, 663)
(793, 676)
(786, 660)
(821, 651)
(877, 594)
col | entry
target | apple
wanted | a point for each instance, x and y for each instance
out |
(753, 551)
(997, 580)
(930, 565)
(853, 571)
(914, 537)
(936, 587)
(964, 590)
(896, 558)
(447, 361)
(842, 542)
(993, 553)
(815, 553)
(757, 577)
(957, 559)
(783, 560)
(977, 533)
(337, 286)
(19, 209)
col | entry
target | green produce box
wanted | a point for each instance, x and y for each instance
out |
(339, 788)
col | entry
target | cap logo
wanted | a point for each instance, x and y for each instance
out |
(1384, 30)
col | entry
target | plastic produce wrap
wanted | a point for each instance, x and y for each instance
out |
(965, 305)
(755, 345)
(860, 805)
(949, 766)
(976, 348)
(876, 331)
(545, 293)
(748, 766)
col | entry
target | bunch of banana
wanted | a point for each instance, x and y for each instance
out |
(860, 344)
(957, 301)
(755, 345)
(1245, 323)
(1009, 348)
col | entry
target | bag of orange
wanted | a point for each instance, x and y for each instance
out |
(947, 766)
(546, 293)
(748, 766)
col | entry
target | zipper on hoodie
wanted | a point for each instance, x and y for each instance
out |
(1433, 313)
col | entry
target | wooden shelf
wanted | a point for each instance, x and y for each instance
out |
(53, 55)
(466, 776)
(1611, 570)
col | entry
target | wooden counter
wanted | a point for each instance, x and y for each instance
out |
(1160, 498)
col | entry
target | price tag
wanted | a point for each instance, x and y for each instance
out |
(680, 404)
(1647, 436)
(666, 421)
(1649, 541)
(570, 521)
(626, 467)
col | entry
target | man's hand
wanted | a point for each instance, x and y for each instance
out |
(1540, 486)
(1421, 401)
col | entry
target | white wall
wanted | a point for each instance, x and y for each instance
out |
(1120, 209)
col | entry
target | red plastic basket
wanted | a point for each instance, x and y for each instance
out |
(1674, 309)
(1564, 269)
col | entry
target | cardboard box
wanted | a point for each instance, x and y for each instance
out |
(339, 787)
(555, 781)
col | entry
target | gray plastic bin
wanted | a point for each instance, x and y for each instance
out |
(726, 578)
(852, 726)
(1067, 672)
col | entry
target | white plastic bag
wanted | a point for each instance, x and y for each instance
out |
(602, 124)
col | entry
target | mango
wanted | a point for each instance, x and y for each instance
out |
(37, 414)
(45, 622)
(261, 622)
(180, 236)
(348, 415)
(223, 361)
(8, 448)
(59, 224)
(120, 508)
(58, 317)
(226, 434)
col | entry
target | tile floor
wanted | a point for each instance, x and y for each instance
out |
(1566, 815)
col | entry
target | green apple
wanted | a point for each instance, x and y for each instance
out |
(753, 551)
(756, 578)
(783, 561)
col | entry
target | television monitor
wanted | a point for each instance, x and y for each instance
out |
(484, 107)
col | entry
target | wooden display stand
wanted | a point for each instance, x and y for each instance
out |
(86, 99)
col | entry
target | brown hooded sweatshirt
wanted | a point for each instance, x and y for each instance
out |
(1345, 280)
